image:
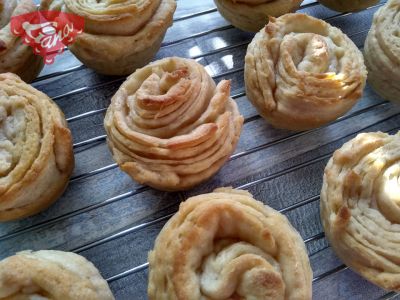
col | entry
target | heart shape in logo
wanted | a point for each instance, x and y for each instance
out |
(47, 32)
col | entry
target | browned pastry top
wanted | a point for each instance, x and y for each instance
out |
(51, 275)
(36, 157)
(170, 126)
(15, 56)
(226, 245)
(360, 206)
(382, 51)
(301, 72)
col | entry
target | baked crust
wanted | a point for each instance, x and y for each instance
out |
(226, 245)
(348, 5)
(382, 52)
(252, 15)
(170, 127)
(360, 207)
(118, 37)
(36, 157)
(49, 274)
(16, 57)
(301, 73)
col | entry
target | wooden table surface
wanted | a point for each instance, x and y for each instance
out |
(113, 221)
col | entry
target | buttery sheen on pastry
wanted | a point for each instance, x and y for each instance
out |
(360, 206)
(51, 275)
(348, 5)
(170, 127)
(252, 15)
(36, 157)
(119, 36)
(382, 51)
(226, 245)
(301, 73)
(16, 57)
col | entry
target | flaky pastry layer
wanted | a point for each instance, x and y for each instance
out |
(301, 73)
(119, 36)
(51, 275)
(169, 126)
(36, 157)
(226, 245)
(252, 15)
(382, 51)
(16, 57)
(360, 206)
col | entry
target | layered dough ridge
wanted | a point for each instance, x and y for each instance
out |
(51, 275)
(226, 245)
(36, 157)
(360, 206)
(169, 126)
(252, 15)
(16, 57)
(119, 36)
(382, 51)
(301, 73)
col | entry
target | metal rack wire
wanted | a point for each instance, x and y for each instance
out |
(101, 139)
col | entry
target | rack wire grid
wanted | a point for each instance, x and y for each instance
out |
(113, 221)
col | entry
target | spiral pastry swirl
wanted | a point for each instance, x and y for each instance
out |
(382, 51)
(360, 206)
(15, 57)
(252, 15)
(170, 127)
(226, 245)
(348, 6)
(301, 73)
(48, 274)
(36, 157)
(120, 36)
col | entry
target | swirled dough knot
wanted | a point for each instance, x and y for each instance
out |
(226, 245)
(301, 73)
(15, 56)
(170, 127)
(252, 15)
(36, 157)
(51, 275)
(382, 51)
(241, 266)
(120, 35)
(360, 206)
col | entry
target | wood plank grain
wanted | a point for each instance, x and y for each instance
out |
(73, 232)
(281, 168)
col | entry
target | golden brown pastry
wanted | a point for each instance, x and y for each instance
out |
(301, 73)
(36, 157)
(119, 36)
(16, 57)
(382, 51)
(226, 245)
(49, 274)
(252, 15)
(360, 206)
(348, 5)
(170, 127)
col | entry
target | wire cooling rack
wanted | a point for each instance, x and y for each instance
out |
(113, 221)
